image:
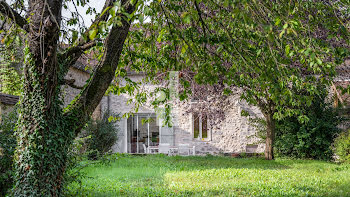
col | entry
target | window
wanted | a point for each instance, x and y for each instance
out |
(200, 126)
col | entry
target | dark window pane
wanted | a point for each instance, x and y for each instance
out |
(195, 125)
(204, 126)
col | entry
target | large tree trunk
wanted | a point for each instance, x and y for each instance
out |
(270, 136)
(43, 137)
(46, 131)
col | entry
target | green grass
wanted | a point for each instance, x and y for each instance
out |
(157, 175)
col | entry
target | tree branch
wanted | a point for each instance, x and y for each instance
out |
(7, 11)
(84, 105)
(75, 52)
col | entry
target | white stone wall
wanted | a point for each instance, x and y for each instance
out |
(231, 137)
(118, 104)
(69, 93)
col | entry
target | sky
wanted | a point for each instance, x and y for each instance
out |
(97, 4)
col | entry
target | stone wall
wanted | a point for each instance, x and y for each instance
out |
(118, 104)
(69, 93)
(232, 135)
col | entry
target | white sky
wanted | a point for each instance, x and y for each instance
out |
(97, 4)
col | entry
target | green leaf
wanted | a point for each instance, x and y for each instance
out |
(74, 36)
(112, 11)
(319, 61)
(281, 34)
(277, 21)
(287, 49)
(93, 33)
(141, 18)
(186, 17)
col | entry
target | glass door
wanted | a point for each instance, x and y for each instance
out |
(143, 131)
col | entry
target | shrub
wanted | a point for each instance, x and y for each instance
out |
(312, 139)
(7, 148)
(75, 164)
(104, 134)
(342, 147)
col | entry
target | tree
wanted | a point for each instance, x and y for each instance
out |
(270, 49)
(45, 128)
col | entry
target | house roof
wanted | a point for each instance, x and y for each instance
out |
(80, 66)
(8, 99)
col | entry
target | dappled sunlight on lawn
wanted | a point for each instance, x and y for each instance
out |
(289, 182)
(213, 176)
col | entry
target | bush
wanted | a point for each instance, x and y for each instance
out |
(342, 147)
(104, 134)
(312, 139)
(75, 163)
(7, 149)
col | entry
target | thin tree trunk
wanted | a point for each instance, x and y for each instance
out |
(270, 136)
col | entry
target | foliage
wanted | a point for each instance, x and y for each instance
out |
(78, 160)
(7, 149)
(157, 175)
(312, 139)
(10, 80)
(75, 162)
(266, 48)
(10, 72)
(103, 134)
(342, 147)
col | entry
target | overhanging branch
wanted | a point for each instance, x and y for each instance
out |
(75, 52)
(84, 105)
(7, 11)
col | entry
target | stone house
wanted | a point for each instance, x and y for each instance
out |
(233, 135)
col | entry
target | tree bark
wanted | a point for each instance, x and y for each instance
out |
(270, 136)
(43, 142)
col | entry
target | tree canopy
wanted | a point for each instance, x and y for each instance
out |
(275, 51)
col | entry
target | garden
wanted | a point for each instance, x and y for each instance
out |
(160, 175)
(261, 89)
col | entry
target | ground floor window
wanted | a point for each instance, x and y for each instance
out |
(200, 126)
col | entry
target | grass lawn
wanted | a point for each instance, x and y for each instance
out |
(158, 175)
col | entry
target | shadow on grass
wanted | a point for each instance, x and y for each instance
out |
(215, 162)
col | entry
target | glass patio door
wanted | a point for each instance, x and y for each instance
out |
(142, 134)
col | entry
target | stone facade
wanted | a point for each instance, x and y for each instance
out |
(80, 76)
(233, 136)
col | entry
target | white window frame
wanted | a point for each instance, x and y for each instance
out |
(200, 129)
